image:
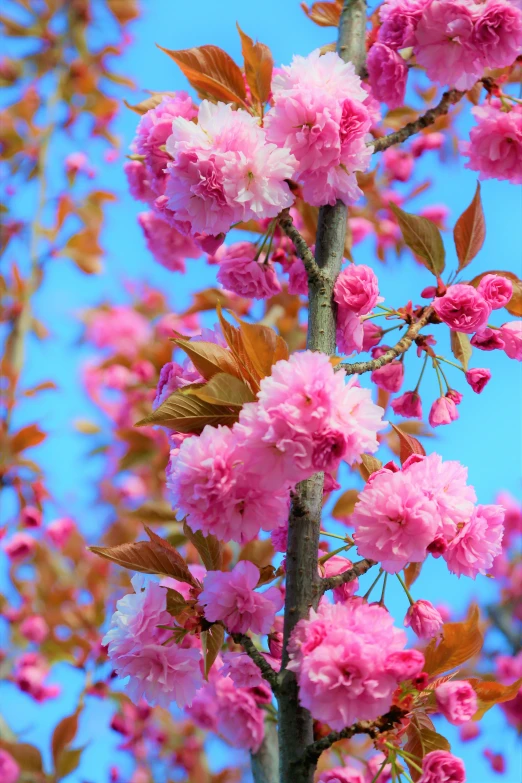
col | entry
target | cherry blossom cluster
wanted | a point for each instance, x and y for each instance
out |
(356, 293)
(402, 516)
(232, 482)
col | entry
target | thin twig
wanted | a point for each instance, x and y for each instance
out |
(303, 251)
(398, 349)
(448, 99)
(269, 674)
(358, 569)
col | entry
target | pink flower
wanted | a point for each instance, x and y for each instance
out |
(35, 629)
(19, 547)
(496, 290)
(31, 517)
(478, 378)
(297, 279)
(488, 340)
(230, 597)
(349, 334)
(357, 289)
(158, 672)
(372, 335)
(279, 538)
(404, 664)
(275, 639)
(455, 396)
(437, 213)
(167, 245)
(239, 719)
(462, 308)
(477, 543)
(443, 411)
(495, 143)
(497, 33)
(341, 775)
(468, 731)
(173, 377)
(388, 74)
(338, 655)
(512, 520)
(398, 164)
(60, 530)
(439, 766)
(423, 619)
(139, 182)
(394, 521)
(9, 769)
(241, 271)
(223, 171)
(360, 228)
(78, 162)
(319, 114)
(242, 670)
(338, 565)
(120, 328)
(399, 22)
(457, 701)
(30, 674)
(511, 334)
(444, 46)
(408, 405)
(426, 141)
(389, 377)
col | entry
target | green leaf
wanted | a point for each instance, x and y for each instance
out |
(422, 237)
(210, 549)
(461, 348)
(224, 389)
(470, 231)
(186, 413)
(211, 642)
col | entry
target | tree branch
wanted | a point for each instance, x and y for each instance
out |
(448, 99)
(351, 43)
(398, 349)
(303, 251)
(370, 727)
(269, 674)
(358, 569)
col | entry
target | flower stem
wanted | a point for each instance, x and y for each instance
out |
(439, 377)
(421, 373)
(367, 594)
(403, 583)
(453, 364)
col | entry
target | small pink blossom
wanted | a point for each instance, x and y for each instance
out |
(405, 664)
(35, 629)
(242, 670)
(496, 290)
(495, 143)
(488, 340)
(437, 213)
(398, 164)
(341, 775)
(478, 378)
(241, 271)
(76, 163)
(60, 530)
(457, 701)
(230, 597)
(463, 308)
(399, 22)
(360, 228)
(167, 245)
(388, 74)
(349, 334)
(357, 289)
(239, 719)
(469, 731)
(9, 768)
(120, 328)
(423, 619)
(389, 377)
(139, 182)
(443, 411)
(512, 521)
(497, 33)
(511, 334)
(31, 517)
(275, 639)
(425, 142)
(440, 766)
(297, 279)
(408, 405)
(19, 547)
(338, 565)
(372, 335)
(477, 543)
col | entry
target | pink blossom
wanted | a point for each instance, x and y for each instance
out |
(167, 245)
(239, 719)
(389, 377)
(341, 775)
(512, 519)
(374, 765)
(496, 290)
(279, 538)
(338, 655)
(78, 162)
(444, 45)
(242, 670)
(30, 674)
(275, 639)
(497, 33)
(495, 143)
(394, 521)
(349, 334)
(231, 597)
(357, 289)
(360, 228)
(120, 328)
(399, 22)
(203, 709)
(246, 274)
(425, 142)
(398, 164)
(478, 378)
(173, 377)
(408, 405)
(440, 766)
(197, 570)
(457, 701)
(9, 768)
(139, 182)
(338, 565)
(443, 411)
(297, 279)
(31, 517)
(511, 334)
(477, 543)
(19, 547)
(488, 340)
(423, 619)
(468, 731)
(455, 396)
(60, 530)
(34, 628)
(404, 664)
(372, 335)
(463, 308)
(437, 213)
(388, 74)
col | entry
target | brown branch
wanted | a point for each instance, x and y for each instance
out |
(357, 368)
(448, 99)
(370, 727)
(303, 251)
(269, 674)
(358, 569)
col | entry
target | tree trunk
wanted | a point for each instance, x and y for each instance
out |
(302, 579)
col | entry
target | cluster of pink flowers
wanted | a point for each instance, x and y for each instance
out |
(495, 142)
(247, 273)
(167, 245)
(159, 672)
(31, 674)
(320, 115)
(349, 659)
(356, 293)
(440, 765)
(426, 508)
(234, 482)
(119, 328)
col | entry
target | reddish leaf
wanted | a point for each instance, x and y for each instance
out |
(210, 549)
(211, 643)
(514, 306)
(258, 67)
(422, 739)
(64, 734)
(209, 358)
(324, 14)
(411, 573)
(490, 693)
(408, 444)
(369, 465)
(470, 231)
(184, 413)
(263, 346)
(459, 643)
(27, 756)
(26, 438)
(212, 72)
(345, 504)
(224, 389)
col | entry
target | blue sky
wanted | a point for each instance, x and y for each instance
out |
(487, 437)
